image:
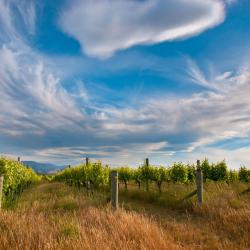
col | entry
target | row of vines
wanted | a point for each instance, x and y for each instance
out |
(16, 177)
(97, 174)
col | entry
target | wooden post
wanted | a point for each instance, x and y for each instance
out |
(114, 189)
(199, 183)
(88, 187)
(1, 190)
(19, 159)
(87, 161)
(147, 165)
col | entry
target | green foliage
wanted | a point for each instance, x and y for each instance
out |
(233, 176)
(218, 172)
(46, 177)
(147, 174)
(179, 173)
(16, 176)
(98, 175)
(244, 174)
(125, 174)
(161, 175)
(191, 173)
(137, 176)
(94, 173)
(206, 169)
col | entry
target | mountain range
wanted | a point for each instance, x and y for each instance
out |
(43, 168)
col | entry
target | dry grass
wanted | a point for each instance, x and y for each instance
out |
(223, 222)
(54, 216)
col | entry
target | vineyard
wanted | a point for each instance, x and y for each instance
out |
(97, 175)
(73, 207)
(17, 177)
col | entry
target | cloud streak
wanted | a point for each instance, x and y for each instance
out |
(103, 27)
(42, 119)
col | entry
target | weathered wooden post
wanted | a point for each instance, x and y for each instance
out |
(19, 159)
(1, 190)
(114, 189)
(147, 165)
(199, 183)
(88, 186)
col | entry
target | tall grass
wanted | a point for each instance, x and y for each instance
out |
(55, 216)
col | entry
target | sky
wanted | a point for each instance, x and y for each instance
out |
(123, 80)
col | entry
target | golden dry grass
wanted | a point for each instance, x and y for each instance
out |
(222, 222)
(54, 216)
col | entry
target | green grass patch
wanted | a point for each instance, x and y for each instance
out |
(70, 231)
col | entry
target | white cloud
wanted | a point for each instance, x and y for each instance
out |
(6, 28)
(120, 155)
(37, 111)
(24, 17)
(27, 11)
(105, 26)
(234, 158)
(206, 117)
(32, 98)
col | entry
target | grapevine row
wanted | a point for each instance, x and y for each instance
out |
(97, 174)
(16, 176)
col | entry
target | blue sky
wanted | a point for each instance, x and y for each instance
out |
(124, 80)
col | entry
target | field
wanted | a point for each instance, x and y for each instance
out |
(52, 215)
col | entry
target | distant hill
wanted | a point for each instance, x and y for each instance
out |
(43, 168)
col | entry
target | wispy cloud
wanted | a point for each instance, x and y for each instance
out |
(101, 33)
(120, 154)
(214, 81)
(31, 96)
(13, 15)
(42, 119)
(27, 11)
